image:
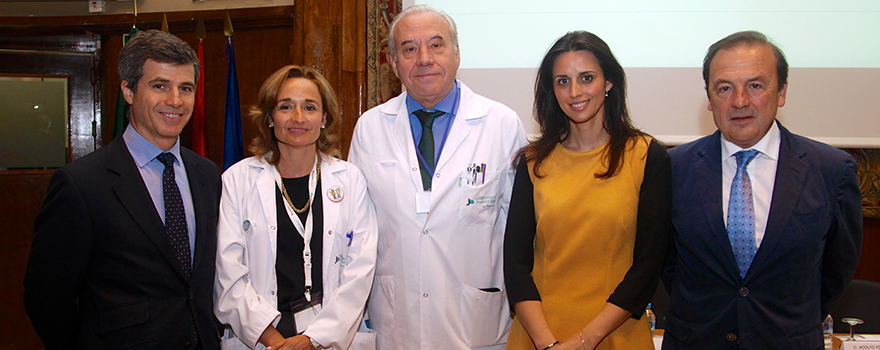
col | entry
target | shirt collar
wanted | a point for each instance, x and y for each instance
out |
(446, 104)
(768, 145)
(143, 151)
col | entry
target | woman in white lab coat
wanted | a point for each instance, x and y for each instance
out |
(297, 233)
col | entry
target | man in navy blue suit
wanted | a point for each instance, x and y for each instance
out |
(768, 224)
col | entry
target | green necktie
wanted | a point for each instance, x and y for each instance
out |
(426, 144)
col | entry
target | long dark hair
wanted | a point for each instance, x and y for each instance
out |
(553, 121)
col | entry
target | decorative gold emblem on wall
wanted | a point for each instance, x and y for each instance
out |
(869, 179)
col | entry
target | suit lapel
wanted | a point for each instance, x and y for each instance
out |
(791, 172)
(201, 202)
(708, 168)
(133, 195)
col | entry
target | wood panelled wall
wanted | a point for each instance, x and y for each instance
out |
(869, 264)
(19, 210)
(328, 35)
(323, 34)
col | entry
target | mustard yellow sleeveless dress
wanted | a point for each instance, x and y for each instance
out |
(586, 228)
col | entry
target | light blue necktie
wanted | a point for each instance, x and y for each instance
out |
(741, 213)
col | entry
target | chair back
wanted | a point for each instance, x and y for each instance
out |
(861, 299)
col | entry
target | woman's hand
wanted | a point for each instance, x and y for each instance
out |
(609, 318)
(297, 342)
(574, 343)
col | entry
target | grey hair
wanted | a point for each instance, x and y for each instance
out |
(420, 9)
(153, 45)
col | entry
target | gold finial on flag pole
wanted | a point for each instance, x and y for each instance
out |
(201, 32)
(165, 23)
(227, 26)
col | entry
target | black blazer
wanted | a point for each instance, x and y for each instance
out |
(102, 273)
(808, 255)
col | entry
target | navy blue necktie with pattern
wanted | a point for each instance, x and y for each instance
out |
(741, 213)
(175, 214)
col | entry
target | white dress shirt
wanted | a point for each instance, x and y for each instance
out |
(762, 173)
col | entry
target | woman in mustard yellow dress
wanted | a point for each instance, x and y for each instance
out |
(589, 219)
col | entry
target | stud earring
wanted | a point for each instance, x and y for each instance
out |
(323, 126)
(606, 93)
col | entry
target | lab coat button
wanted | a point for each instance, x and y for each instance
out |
(424, 295)
(425, 232)
(415, 169)
(272, 227)
(329, 232)
(438, 175)
(272, 292)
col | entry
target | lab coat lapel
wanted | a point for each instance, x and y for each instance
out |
(265, 188)
(398, 120)
(332, 170)
(468, 109)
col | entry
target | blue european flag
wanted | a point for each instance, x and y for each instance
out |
(233, 149)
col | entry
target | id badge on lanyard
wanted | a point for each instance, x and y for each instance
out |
(305, 311)
(304, 230)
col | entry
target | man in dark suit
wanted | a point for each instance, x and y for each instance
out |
(768, 224)
(124, 244)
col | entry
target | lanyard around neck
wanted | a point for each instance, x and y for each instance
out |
(304, 230)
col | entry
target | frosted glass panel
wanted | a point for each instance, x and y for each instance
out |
(33, 123)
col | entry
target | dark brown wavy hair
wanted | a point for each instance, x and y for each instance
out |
(554, 122)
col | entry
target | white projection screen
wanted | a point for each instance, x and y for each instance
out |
(833, 49)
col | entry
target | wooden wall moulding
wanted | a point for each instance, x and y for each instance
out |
(869, 179)
(382, 84)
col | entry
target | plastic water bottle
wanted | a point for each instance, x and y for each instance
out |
(828, 331)
(652, 319)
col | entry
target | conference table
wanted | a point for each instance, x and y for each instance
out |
(658, 339)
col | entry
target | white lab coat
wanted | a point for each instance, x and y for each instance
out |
(434, 268)
(245, 286)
